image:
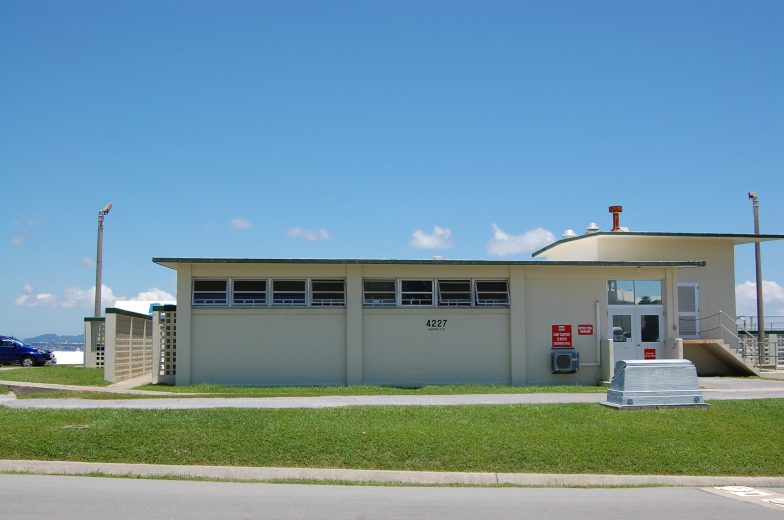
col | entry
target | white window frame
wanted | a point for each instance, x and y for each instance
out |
(386, 304)
(341, 302)
(249, 302)
(483, 302)
(690, 315)
(455, 302)
(635, 296)
(403, 293)
(289, 302)
(213, 302)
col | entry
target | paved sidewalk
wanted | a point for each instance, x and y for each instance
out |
(379, 476)
(713, 389)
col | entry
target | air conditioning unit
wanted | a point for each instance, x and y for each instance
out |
(565, 360)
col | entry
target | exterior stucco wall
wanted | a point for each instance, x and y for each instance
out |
(716, 279)
(395, 346)
(563, 300)
(270, 347)
(472, 347)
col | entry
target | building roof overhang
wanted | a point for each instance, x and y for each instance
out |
(734, 238)
(173, 263)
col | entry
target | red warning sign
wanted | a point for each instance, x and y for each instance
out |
(585, 330)
(649, 353)
(562, 336)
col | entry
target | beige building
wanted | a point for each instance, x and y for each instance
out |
(597, 298)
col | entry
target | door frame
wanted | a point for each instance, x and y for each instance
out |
(695, 314)
(637, 349)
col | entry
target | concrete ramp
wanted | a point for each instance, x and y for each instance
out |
(713, 357)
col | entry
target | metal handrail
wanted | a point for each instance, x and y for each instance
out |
(744, 342)
(751, 322)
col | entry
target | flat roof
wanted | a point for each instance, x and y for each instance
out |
(736, 238)
(172, 262)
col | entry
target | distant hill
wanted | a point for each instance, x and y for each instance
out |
(55, 338)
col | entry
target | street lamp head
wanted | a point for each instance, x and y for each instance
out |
(752, 195)
(106, 209)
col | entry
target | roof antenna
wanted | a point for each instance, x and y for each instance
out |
(616, 213)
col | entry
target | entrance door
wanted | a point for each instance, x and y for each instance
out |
(689, 310)
(637, 332)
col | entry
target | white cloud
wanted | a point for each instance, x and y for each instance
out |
(439, 239)
(85, 298)
(240, 223)
(308, 234)
(772, 298)
(75, 297)
(504, 244)
(88, 262)
(152, 295)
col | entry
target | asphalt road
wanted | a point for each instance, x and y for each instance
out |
(83, 498)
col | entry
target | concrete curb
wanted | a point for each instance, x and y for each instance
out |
(378, 476)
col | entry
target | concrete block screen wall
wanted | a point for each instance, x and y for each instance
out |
(406, 323)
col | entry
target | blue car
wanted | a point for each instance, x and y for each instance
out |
(13, 350)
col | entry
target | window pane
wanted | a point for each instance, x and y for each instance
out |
(492, 292)
(648, 292)
(622, 328)
(209, 285)
(328, 293)
(380, 293)
(288, 292)
(687, 298)
(250, 285)
(250, 292)
(649, 327)
(454, 292)
(209, 292)
(416, 292)
(620, 292)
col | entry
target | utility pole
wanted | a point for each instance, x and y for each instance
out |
(99, 259)
(758, 259)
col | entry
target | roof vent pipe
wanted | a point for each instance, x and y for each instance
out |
(616, 213)
(592, 228)
(569, 233)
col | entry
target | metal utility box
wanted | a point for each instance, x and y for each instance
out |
(564, 360)
(654, 383)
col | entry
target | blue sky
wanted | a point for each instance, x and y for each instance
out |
(375, 129)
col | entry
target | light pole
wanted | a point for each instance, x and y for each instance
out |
(758, 259)
(99, 259)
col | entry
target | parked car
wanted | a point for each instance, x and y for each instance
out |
(13, 350)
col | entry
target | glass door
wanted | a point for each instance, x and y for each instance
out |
(637, 332)
(650, 344)
(621, 325)
(636, 318)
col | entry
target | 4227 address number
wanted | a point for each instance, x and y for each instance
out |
(436, 324)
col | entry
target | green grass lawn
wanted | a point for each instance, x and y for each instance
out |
(57, 374)
(305, 391)
(729, 438)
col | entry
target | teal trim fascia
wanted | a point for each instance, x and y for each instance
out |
(164, 308)
(567, 263)
(123, 312)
